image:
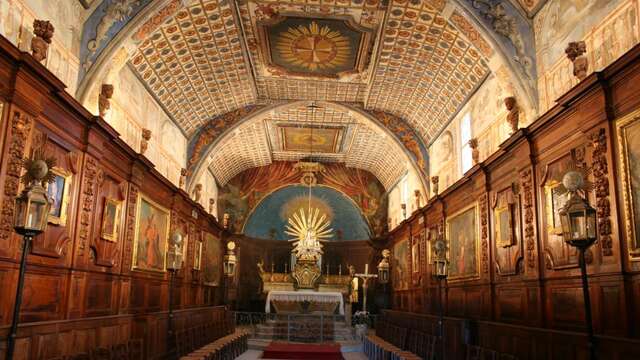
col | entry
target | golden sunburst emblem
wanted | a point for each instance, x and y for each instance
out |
(314, 47)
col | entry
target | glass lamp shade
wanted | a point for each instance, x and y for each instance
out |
(229, 265)
(383, 272)
(441, 268)
(578, 220)
(31, 211)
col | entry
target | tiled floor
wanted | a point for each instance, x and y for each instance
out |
(256, 354)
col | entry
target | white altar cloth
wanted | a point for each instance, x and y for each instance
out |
(304, 296)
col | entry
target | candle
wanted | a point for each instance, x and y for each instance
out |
(340, 269)
(366, 268)
(327, 269)
(285, 267)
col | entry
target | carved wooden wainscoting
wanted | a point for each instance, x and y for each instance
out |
(84, 285)
(517, 269)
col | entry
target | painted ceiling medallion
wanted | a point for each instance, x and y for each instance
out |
(314, 47)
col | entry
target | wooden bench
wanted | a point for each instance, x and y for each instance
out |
(376, 348)
(225, 348)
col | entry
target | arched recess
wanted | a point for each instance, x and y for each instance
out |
(410, 149)
(268, 218)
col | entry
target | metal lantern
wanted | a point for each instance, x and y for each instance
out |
(383, 267)
(577, 217)
(578, 221)
(174, 255)
(31, 211)
(440, 263)
(230, 260)
(441, 268)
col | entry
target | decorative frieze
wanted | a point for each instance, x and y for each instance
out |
(601, 175)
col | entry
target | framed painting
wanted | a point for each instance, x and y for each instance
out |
(504, 231)
(415, 257)
(463, 235)
(151, 236)
(432, 236)
(400, 266)
(110, 219)
(212, 267)
(555, 201)
(197, 256)
(58, 195)
(628, 130)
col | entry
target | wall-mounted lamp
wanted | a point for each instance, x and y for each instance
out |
(230, 260)
(383, 267)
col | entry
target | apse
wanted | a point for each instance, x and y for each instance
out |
(271, 215)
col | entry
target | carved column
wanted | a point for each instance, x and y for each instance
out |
(601, 176)
(526, 184)
(20, 128)
(484, 232)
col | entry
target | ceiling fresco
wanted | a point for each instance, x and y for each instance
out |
(341, 136)
(409, 65)
(325, 48)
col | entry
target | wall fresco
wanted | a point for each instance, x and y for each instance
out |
(244, 192)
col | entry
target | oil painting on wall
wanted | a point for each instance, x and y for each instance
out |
(629, 139)
(58, 194)
(462, 232)
(240, 196)
(152, 233)
(400, 265)
(212, 260)
(110, 219)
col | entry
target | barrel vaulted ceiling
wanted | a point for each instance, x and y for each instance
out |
(416, 60)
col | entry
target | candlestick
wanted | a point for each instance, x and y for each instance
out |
(340, 269)
(285, 268)
(273, 267)
(327, 269)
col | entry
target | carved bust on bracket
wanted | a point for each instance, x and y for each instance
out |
(43, 31)
(575, 52)
(104, 99)
(513, 118)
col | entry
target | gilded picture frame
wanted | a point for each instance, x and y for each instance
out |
(628, 137)
(554, 202)
(415, 257)
(111, 213)
(156, 236)
(504, 229)
(458, 225)
(197, 256)
(58, 195)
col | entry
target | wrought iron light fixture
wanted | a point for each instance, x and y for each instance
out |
(383, 267)
(230, 260)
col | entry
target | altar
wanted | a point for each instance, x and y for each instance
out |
(305, 302)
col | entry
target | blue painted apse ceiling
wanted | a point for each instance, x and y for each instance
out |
(269, 218)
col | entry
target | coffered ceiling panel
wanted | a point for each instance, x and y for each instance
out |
(338, 135)
(194, 64)
(426, 70)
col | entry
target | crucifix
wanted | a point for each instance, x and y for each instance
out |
(365, 279)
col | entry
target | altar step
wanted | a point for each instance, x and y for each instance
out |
(309, 331)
